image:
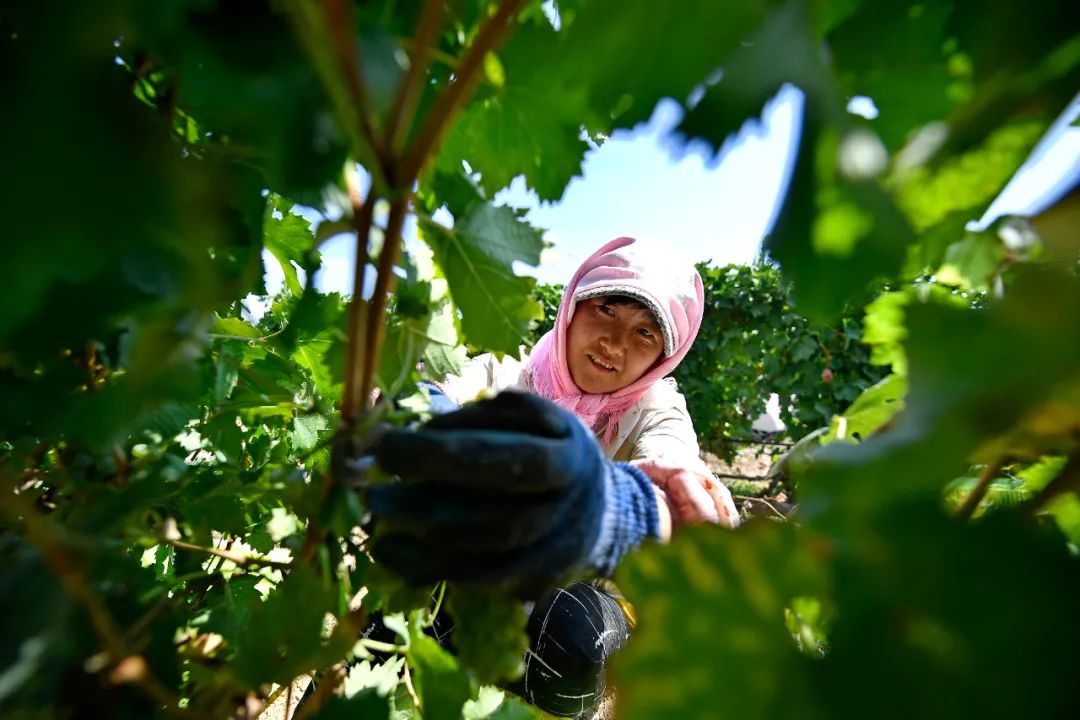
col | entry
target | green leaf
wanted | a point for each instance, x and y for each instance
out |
(234, 327)
(910, 617)
(529, 126)
(836, 223)
(442, 685)
(493, 704)
(489, 633)
(968, 183)
(289, 239)
(974, 262)
(488, 699)
(885, 330)
(711, 619)
(477, 257)
(1028, 350)
(305, 433)
(239, 70)
(782, 50)
(288, 628)
(367, 704)
(382, 677)
(627, 75)
(894, 53)
(870, 412)
(231, 611)
(226, 372)
(1065, 509)
(1038, 475)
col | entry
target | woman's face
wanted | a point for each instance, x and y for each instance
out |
(610, 346)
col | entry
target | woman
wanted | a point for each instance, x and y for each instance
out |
(627, 319)
(513, 491)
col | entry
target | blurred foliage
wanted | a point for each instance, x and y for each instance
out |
(175, 540)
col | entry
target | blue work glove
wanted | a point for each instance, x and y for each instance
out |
(511, 492)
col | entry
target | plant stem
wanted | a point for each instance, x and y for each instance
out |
(391, 245)
(412, 690)
(451, 100)
(240, 559)
(971, 502)
(354, 398)
(763, 501)
(438, 605)
(412, 86)
(383, 647)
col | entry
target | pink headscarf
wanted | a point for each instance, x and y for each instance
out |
(621, 267)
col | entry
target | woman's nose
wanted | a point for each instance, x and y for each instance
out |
(612, 344)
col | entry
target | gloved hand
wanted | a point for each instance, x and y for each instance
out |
(512, 491)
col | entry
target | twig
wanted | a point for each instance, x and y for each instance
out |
(354, 398)
(438, 605)
(436, 54)
(387, 258)
(240, 559)
(411, 88)
(411, 689)
(259, 339)
(215, 565)
(451, 100)
(69, 572)
(749, 478)
(990, 471)
(763, 501)
(382, 647)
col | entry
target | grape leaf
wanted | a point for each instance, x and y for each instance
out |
(477, 257)
(442, 685)
(711, 639)
(1028, 349)
(289, 238)
(366, 704)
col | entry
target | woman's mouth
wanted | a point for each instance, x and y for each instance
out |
(605, 366)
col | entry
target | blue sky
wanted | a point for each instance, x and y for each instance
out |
(647, 184)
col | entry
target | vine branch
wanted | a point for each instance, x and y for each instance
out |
(391, 246)
(411, 88)
(354, 398)
(451, 100)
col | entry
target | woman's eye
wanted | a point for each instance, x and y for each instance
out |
(646, 333)
(606, 309)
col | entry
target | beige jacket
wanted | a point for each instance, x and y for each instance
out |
(657, 426)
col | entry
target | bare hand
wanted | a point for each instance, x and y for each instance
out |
(693, 496)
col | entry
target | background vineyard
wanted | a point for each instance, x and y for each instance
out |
(178, 528)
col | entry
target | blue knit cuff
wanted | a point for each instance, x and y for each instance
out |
(630, 516)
